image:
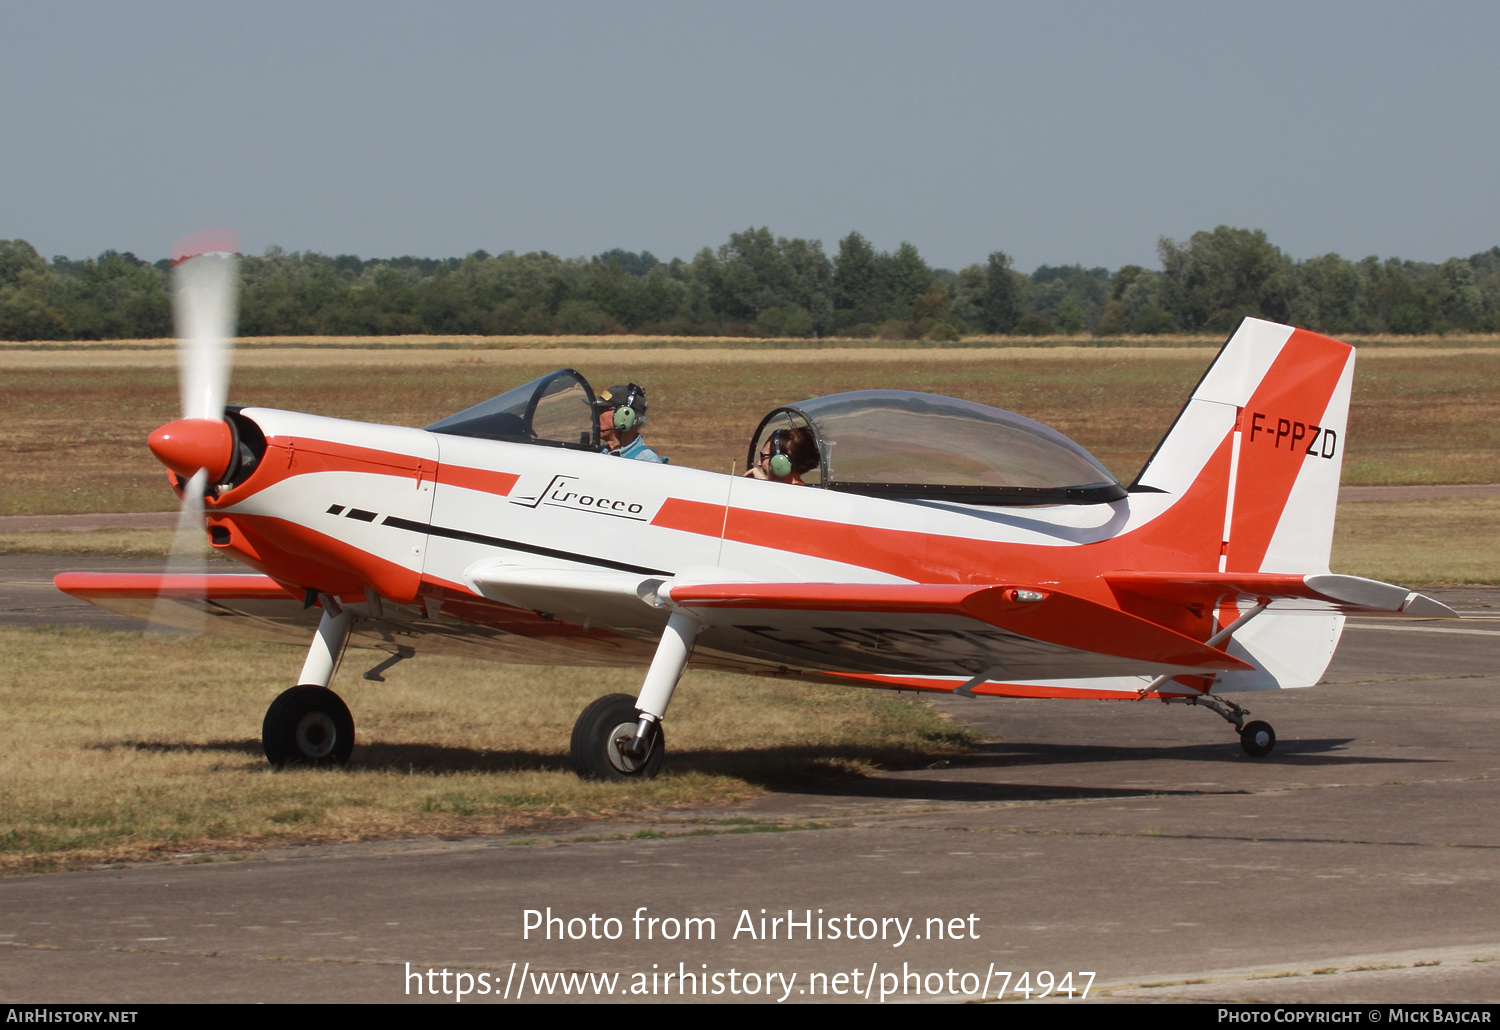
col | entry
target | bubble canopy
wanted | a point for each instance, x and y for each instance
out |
(556, 410)
(901, 444)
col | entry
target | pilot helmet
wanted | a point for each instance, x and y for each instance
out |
(627, 401)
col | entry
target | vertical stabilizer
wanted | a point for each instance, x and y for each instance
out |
(1278, 397)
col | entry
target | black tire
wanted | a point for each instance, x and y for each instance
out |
(307, 726)
(1258, 739)
(596, 751)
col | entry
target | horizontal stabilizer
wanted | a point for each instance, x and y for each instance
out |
(1285, 591)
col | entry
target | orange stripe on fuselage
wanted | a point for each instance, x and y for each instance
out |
(690, 516)
(483, 480)
(1186, 538)
(287, 457)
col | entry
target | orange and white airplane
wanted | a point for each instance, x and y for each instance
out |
(939, 545)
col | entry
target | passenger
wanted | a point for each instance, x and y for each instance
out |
(622, 413)
(790, 452)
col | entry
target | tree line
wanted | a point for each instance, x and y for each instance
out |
(759, 284)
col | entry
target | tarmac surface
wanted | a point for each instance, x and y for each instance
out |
(1137, 843)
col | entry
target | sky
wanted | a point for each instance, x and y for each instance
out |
(1059, 132)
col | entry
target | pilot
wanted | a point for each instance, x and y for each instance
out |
(622, 413)
(786, 456)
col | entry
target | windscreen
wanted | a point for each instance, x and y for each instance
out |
(897, 437)
(555, 409)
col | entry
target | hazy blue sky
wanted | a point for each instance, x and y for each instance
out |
(1057, 131)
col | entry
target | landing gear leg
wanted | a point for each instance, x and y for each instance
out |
(310, 724)
(1256, 738)
(619, 737)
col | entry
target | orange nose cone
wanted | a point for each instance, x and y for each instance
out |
(190, 444)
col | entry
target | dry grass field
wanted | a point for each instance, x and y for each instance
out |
(118, 746)
(1442, 541)
(72, 436)
(99, 543)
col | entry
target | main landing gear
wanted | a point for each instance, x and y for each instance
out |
(310, 724)
(619, 737)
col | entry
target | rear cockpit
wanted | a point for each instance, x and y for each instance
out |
(901, 444)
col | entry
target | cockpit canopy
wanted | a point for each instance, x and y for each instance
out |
(556, 410)
(884, 443)
(897, 443)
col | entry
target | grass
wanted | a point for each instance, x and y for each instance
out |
(119, 747)
(98, 543)
(72, 439)
(1439, 542)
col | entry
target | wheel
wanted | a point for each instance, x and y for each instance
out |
(307, 726)
(598, 734)
(1257, 738)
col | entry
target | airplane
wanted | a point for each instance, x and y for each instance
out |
(934, 545)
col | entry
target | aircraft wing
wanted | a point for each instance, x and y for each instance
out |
(920, 629)
(1285, 591)
(250, 607)
(883, 628)
(256, 607)
(577, 617)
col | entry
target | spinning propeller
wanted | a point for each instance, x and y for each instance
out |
(199, 447)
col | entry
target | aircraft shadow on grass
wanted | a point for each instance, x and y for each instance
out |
(775, 767)
(824, 771)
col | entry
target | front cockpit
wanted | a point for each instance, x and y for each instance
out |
(556, 410)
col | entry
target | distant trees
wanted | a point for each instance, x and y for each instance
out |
(759, 284)
(117, 295)
(1217, 278)
(1001, 309)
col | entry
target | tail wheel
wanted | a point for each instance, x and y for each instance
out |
(1258, 739)
(601, 737)
(307, 726)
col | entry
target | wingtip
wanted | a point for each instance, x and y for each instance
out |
(1426, 607)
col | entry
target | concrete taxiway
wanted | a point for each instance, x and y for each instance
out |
(1134, 841)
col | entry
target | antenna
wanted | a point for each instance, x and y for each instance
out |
(728, 496)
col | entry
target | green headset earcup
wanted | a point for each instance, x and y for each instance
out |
(781, 466)
(625, 418)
